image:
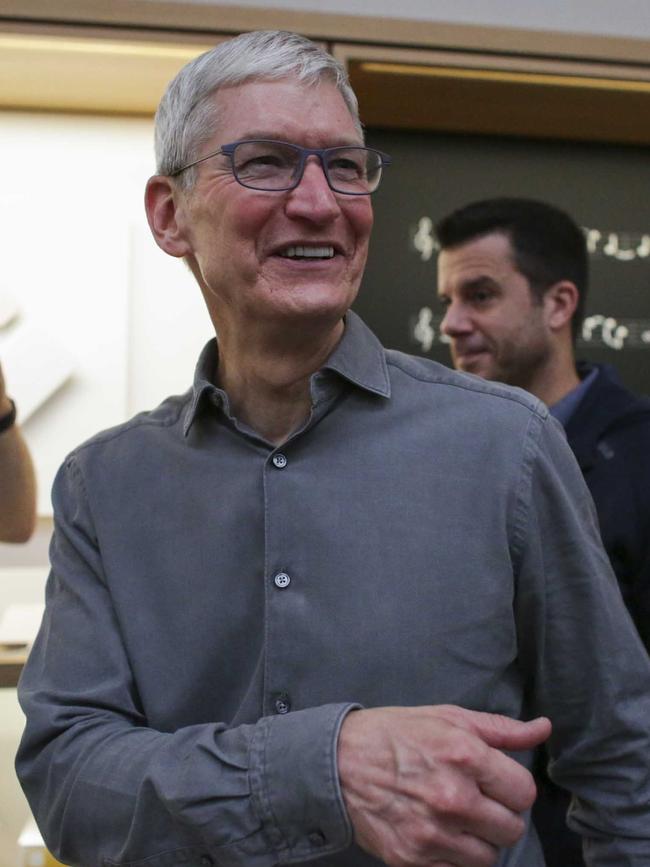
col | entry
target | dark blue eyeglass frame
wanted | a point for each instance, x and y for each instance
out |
(323, 154)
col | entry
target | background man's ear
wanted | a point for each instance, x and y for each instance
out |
(162, 207)
(560, 302)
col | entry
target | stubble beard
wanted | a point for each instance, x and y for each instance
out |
(520, 365)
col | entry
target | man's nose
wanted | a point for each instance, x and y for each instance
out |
(313, 199)
(455, 322)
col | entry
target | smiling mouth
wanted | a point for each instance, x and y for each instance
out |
(302, 252)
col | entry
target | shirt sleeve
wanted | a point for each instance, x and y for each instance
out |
(108, 790)
(582, 658)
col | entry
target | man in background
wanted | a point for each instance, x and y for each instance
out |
(17, 480)
(513, 278)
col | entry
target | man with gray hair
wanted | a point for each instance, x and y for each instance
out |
(304, 610)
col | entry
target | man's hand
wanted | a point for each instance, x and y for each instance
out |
(430, 785)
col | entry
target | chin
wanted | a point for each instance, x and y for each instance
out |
(480, 364)
(472, 366)
(322, 301)
(311, 312)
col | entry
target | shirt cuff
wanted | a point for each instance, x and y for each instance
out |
(295, 783)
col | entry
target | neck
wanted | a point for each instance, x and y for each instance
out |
(557, 378)
(267, 378)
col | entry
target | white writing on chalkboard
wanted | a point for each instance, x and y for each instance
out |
(622, 246)
(597, 331)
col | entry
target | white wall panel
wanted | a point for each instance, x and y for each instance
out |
(107, 324)
(169, 323)
(86, 291)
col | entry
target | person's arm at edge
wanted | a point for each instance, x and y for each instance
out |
(17, 480)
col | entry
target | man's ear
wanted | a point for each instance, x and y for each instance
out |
(560, 302)
(161, 202)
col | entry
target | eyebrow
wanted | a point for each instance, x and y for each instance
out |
(481, 282)
(473, 283)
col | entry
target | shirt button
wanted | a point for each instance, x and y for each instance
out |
(279, 461)
(282, 704)
(282, 580)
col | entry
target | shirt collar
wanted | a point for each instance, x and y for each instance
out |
(564, 408)
(203, 385)
(359, 358)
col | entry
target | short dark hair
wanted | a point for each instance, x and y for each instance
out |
(547, 244)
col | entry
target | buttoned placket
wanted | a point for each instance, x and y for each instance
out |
(283, 587)
(279, 582)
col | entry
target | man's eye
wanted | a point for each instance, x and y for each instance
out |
(260, 163)
(481, 296)
(345, 167)
(444, 301)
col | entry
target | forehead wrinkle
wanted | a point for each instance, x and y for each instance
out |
(285, 110)
(272, 135)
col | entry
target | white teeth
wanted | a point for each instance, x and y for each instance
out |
(308, 252)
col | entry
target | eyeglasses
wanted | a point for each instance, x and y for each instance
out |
(276, 166)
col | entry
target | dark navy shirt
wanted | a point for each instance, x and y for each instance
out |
(216, 606)
(564, 408)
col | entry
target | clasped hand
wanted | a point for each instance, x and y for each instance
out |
(431, 785)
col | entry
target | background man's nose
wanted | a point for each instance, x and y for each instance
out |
(455, 321)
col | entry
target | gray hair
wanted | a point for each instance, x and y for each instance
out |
(186, 116)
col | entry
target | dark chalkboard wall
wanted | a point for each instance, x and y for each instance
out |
(606, 188)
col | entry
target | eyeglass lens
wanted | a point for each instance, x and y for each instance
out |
(275, 166)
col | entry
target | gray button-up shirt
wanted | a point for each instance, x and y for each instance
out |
(216, 606)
